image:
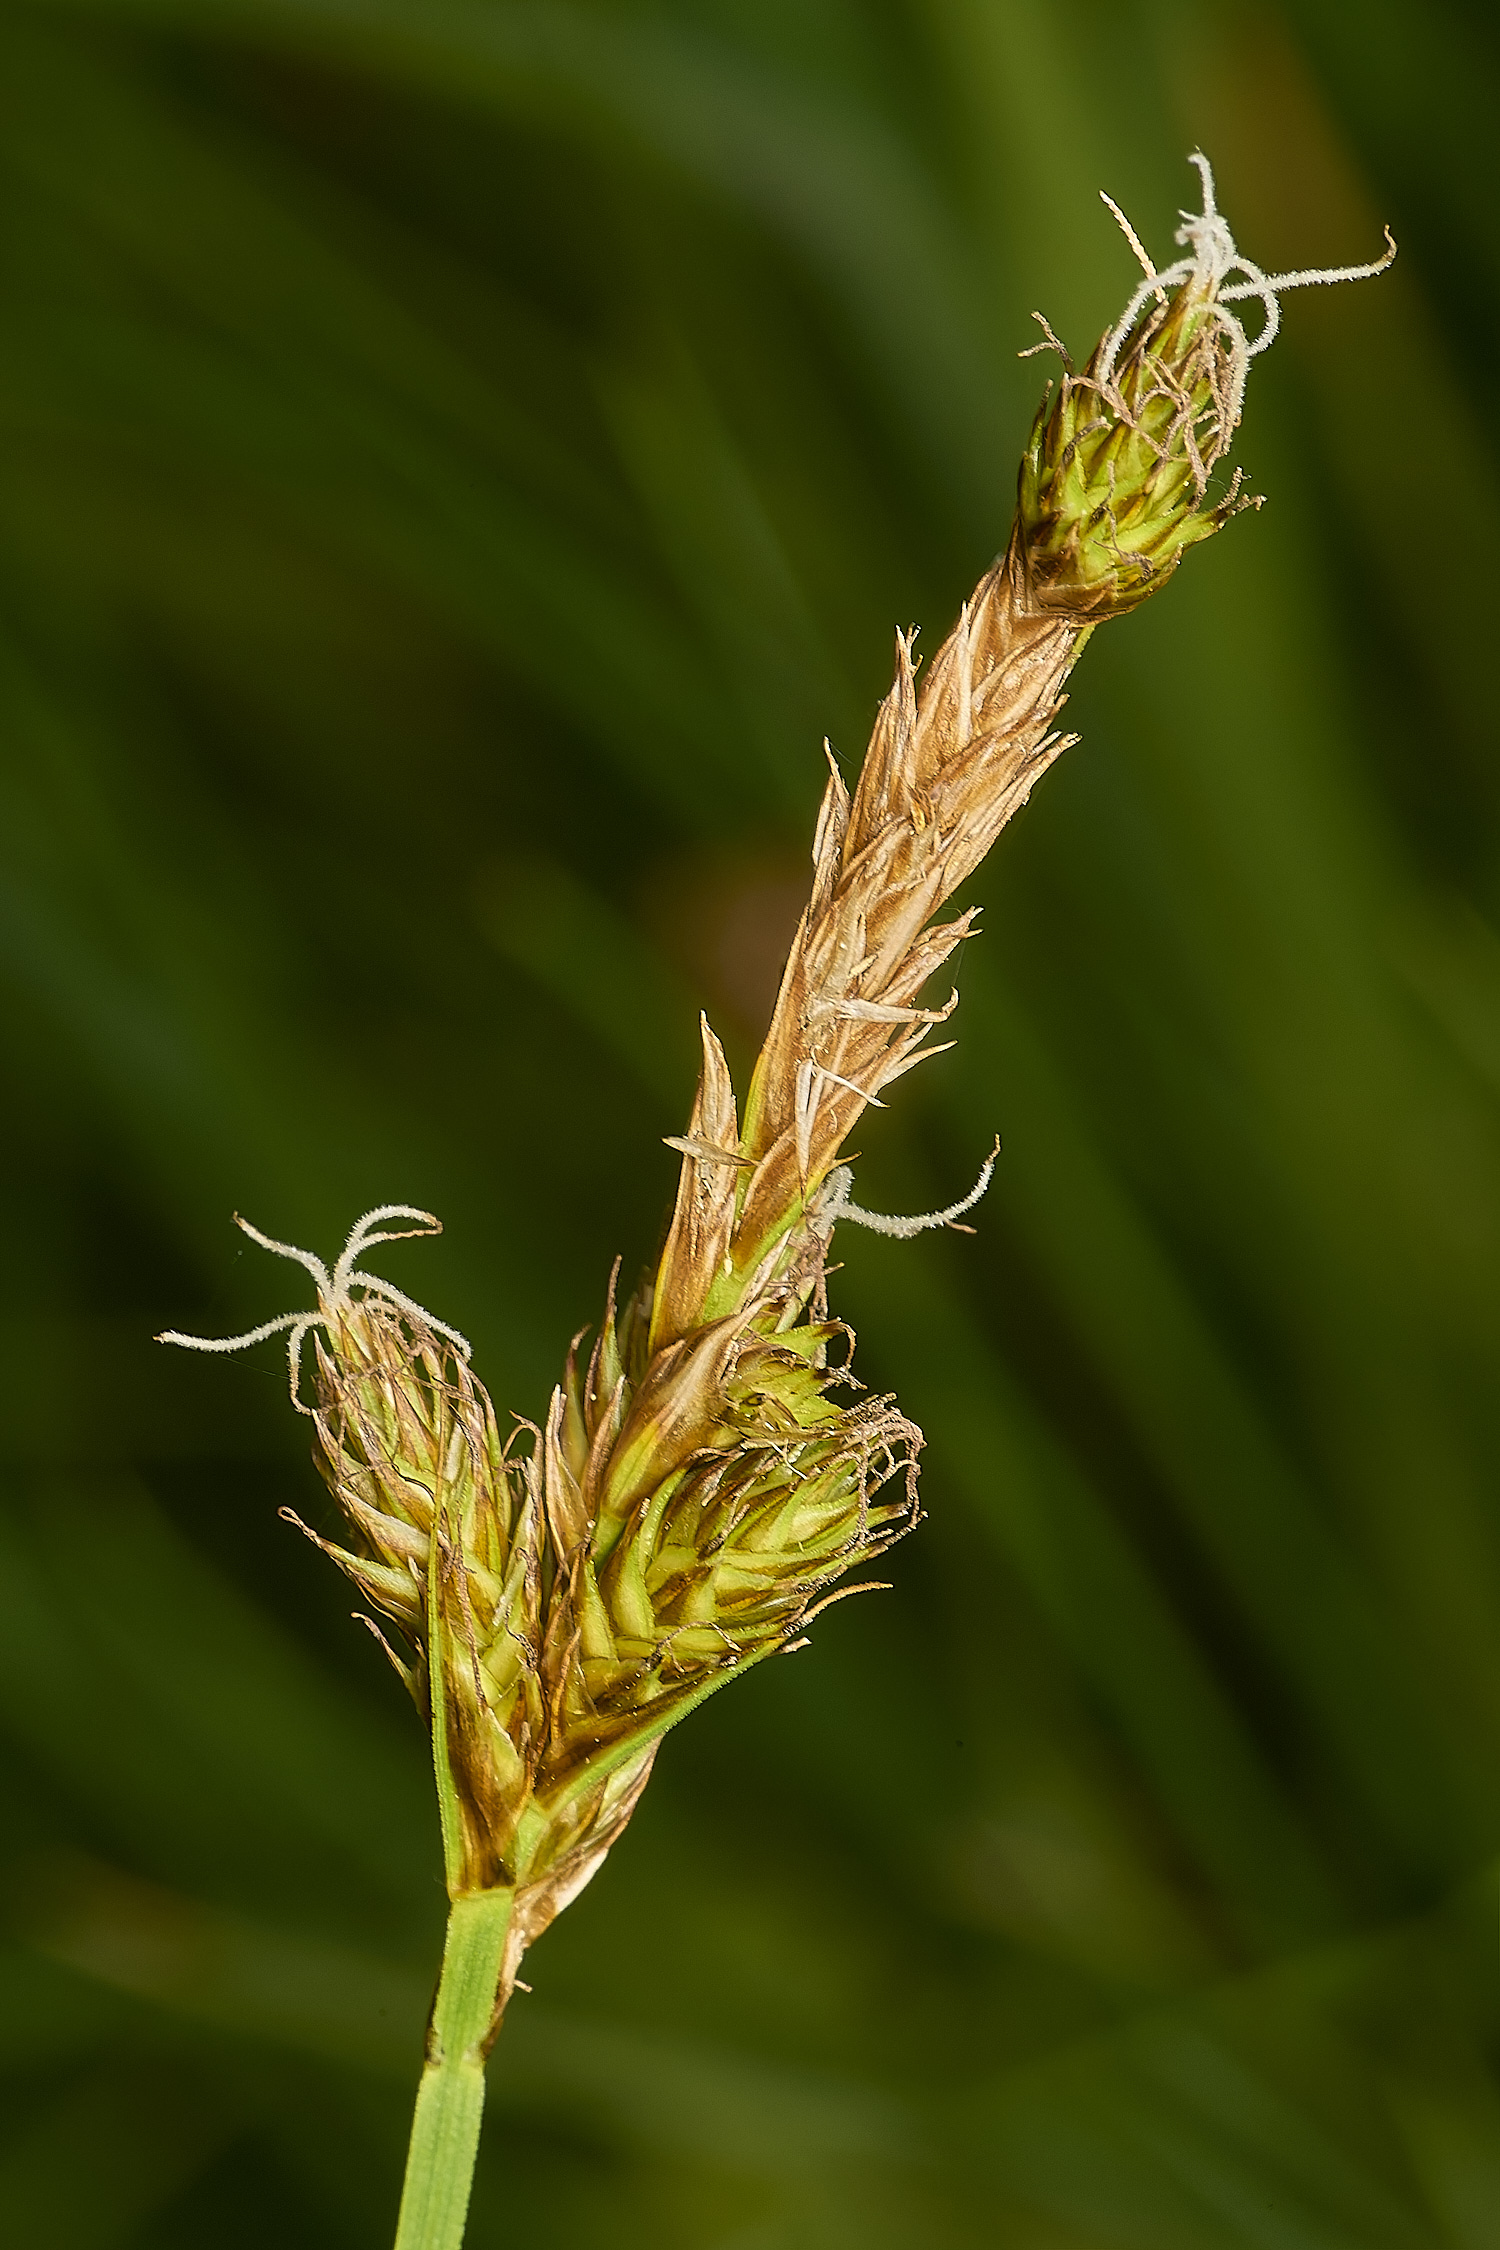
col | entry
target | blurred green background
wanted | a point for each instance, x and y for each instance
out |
(458, 460)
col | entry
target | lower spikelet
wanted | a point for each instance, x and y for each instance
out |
(554, 1607)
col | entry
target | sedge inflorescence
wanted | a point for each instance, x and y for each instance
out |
(563, 1595)
(709, 1472)
(1114, 482)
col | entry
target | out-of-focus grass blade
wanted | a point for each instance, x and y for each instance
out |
(94, 2164)
(244, 1976)
(144, 1669)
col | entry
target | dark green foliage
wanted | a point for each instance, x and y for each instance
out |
(457, 462)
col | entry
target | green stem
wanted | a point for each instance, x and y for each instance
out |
(450, 2099)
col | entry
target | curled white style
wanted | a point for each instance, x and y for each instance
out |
(333, 1290)
(1213, 257)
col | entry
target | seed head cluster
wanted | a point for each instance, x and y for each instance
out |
(709, 1472)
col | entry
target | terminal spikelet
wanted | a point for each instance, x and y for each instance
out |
(1113, 489)
(945, 769)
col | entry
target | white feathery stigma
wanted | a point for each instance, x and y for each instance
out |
(334, 1298)
(1213, 258)
(834, 1204)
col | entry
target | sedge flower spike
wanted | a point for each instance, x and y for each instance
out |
(1114, 483)
(707, 1475)
(558, 1612)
